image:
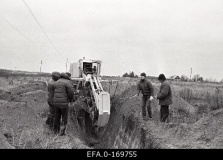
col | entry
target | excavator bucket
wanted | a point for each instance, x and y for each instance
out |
(104, 108)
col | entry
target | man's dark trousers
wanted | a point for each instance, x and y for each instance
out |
(60, 112)
(50, 118)
(146, 104)
(164, 113)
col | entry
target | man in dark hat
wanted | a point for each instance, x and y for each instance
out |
(50, 118)
(165, 98)
(146, 88)
(63, 95)
(69, 75)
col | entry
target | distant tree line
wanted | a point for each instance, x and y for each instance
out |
(195, 78)
(130, 74)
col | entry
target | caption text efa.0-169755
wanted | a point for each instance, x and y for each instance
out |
(111, 154)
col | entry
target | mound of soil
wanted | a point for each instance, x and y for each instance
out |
(36, 99)
(27, 90)
(4, 144)
(29, 87)
(205, 133)
(5, 95)
(37, 96)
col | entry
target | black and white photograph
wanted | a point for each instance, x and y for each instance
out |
(125, 75)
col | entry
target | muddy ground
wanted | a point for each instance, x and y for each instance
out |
(23, 111)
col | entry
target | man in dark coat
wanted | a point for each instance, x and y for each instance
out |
(165, 98)
(145, 86)
(50, 118)
(63, 95)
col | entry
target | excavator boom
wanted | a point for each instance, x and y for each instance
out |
(102, 100)
(89, 71)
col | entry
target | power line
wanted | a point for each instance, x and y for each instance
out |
(13, 27)
(18, 30)
(40, 26)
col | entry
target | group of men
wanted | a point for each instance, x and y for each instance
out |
(164, 96)
(60, 94)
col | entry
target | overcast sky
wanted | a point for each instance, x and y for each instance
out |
(152, 36)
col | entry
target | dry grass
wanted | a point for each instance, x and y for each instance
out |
(37, 137)
(186, 93)
(207, 94)
(117, 88)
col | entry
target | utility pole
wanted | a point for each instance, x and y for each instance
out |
(190, 73)
(41, 65)
(66, 64)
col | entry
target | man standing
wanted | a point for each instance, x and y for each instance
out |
(50, 118)
(63, 95)
(165, 97)
(146, 88)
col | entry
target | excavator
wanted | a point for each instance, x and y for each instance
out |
(86, 72)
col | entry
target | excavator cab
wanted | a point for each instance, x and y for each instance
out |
(87, 70)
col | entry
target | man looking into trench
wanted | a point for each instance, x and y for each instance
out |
(146, 88)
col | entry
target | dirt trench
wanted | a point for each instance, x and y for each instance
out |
(127, 130)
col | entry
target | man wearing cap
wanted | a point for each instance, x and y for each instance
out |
(50, 118)
(69, 75)
(146, 88)
(165, 98)
(63, 95)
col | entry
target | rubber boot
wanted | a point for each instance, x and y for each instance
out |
(50, 121)
(63, 130)
(149, 112)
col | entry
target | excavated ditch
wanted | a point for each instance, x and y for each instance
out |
(126, 129)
